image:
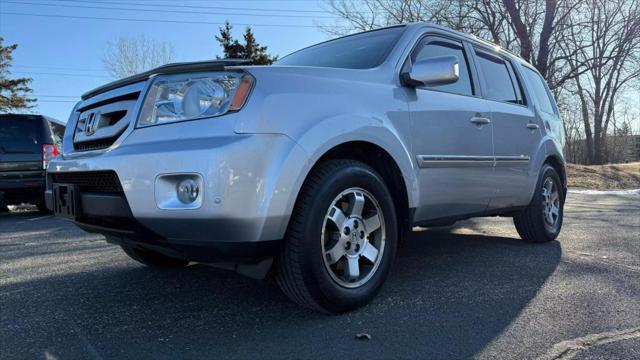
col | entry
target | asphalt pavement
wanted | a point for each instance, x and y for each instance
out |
(473, 290)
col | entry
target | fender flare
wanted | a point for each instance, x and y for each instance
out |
(547, 149)
(314, 144)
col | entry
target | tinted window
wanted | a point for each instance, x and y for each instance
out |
(543, 99)
(21, 135)
(432, 48)
(361, 51)
(499, 79)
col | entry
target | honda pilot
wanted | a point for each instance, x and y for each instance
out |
(316, 167)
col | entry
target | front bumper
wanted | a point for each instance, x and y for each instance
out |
(248, 180)
(110, 215)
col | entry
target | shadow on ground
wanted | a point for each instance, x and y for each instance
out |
(448, 297)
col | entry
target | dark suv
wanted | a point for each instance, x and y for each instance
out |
(27, 143)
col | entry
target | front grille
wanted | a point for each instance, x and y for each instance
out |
(93, 181)
(100, 124)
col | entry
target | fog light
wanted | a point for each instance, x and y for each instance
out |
(188, 191)
(179, 191)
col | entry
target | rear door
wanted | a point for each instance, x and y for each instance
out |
(516, 129)
(451, 138)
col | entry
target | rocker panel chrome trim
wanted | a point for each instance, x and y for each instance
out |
(455, 161)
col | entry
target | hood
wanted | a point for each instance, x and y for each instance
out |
(175, 68)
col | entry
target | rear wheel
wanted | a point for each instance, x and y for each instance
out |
(541, 221)
(341, 240)
(153, 258)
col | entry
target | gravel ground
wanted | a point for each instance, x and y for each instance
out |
(474, 290)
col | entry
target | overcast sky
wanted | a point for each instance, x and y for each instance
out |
(62, 50)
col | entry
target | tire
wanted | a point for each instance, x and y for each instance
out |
(305, 271)
(152, 258)
(534, 224)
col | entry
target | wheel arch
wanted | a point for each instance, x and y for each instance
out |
(385, 165)
(554, 157)
(547, 152)
(400, 182)
(558, 165)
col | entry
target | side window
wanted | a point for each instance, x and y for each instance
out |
(540, 93)
(431, 47)
(499, 78)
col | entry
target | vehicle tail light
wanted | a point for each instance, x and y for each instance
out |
(49, 151)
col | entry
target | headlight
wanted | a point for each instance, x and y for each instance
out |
(193, 96)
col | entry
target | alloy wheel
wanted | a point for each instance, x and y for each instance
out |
(550, 204)
(353, 238)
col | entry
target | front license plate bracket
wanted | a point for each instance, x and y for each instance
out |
(66, 201)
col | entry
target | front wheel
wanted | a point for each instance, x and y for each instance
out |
(542, 219)
(341, 239)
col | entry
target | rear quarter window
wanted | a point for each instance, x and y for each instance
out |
(22, 135)
(541, 94)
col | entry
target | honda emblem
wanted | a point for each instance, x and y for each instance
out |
(91, 124)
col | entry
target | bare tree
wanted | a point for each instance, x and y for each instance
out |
(618, 146)
(363, 15)
(586, 50)
(539, 27)
(574, 150)
(613, 63)
(531, 28)
(128, 56)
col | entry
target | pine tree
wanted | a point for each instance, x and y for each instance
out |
(13, 92)
(232, 48)
(251, 50)
(255, 52)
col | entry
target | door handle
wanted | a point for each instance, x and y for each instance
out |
(532, 126)
(480, 120)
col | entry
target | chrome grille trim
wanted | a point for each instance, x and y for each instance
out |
(77, 145)
(123, 91)
(109, 121)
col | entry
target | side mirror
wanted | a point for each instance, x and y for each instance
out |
(439, 70)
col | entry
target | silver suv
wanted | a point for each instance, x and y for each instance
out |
(316, 167)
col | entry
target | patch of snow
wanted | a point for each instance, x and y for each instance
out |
(606, 192)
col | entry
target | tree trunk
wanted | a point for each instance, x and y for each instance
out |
(542, 63)
(520, 29)
(584, 107)
(598, 140)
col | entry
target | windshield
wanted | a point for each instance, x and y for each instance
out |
(21, 135)
(360, 51)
